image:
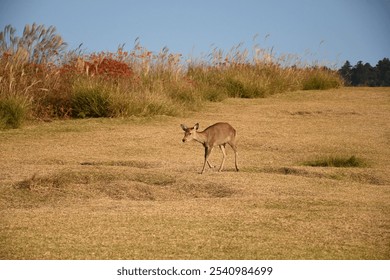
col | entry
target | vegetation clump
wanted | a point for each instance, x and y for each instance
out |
(13, 111)
(90, 103)
(336, 161)
(56, 83)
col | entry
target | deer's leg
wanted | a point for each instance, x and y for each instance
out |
(234, 147)
(207, 151)
(224, 156)
(209, 164)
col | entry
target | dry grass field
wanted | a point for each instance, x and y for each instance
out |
(130, 189)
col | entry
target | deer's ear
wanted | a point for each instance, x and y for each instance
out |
(184, 127)
(196, 126)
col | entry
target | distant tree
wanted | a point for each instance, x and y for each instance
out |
(363, 74)
(346, 72)
(383, 72)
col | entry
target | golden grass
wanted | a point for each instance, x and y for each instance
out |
(129, 189)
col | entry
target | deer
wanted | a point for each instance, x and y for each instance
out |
(218, 134)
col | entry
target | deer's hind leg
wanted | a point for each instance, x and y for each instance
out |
(234, 147)
(224, 156)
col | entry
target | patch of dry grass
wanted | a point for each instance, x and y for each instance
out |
(129, 189)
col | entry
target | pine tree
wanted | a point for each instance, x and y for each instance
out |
(346, 72)
(383, 72)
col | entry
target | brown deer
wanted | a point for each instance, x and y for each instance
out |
(218, 134)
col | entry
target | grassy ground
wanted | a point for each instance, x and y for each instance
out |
(129, 189)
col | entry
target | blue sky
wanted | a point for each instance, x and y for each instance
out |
(327, 31)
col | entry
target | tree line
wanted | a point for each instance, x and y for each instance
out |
(363, 74)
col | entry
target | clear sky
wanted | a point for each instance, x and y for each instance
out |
(330, 31)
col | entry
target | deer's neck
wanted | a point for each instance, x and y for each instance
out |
(201, 137)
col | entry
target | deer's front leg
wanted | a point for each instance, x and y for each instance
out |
(207, 151)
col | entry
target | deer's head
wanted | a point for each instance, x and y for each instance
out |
(189, 132)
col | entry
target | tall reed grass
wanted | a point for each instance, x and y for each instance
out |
(40, 78)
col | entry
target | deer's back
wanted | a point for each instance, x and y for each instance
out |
(220, 133)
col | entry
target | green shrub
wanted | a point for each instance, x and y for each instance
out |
(321, 80)
(213, 93)
(159, 107)
(92, 102)
(13, 111)
(234, 87)
(247, 89)
(143, 104)
(182, 94)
